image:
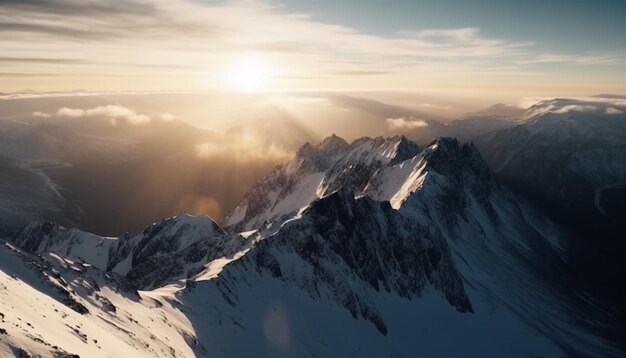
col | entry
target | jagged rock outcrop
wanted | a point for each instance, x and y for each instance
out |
(164, 252)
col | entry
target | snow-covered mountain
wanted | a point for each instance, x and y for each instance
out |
(567, 157)
(355, 277)
(584, 141)
(581, 145)
(491, 233)
(377, 247)
(314, 172)
(170, 250)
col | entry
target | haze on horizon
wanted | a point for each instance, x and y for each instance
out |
(498, 50)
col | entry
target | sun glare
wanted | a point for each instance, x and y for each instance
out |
(250, 75)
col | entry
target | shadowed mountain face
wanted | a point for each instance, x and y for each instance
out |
(567, 153)
(567, 157)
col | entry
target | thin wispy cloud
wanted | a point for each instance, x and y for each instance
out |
(575, 108)
(188, 44)
(578, 59)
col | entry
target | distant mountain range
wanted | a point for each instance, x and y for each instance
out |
(568, 158)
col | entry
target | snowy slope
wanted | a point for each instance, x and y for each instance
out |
(170, 250)
(114, 323)
(508, 252)
(567, 157)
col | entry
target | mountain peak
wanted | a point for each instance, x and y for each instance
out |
(201, 219)
(452, 148)
(448, 156)
(405, 149)
(332, 145)
(445, 143)
(184, 222)
(443, 148)
(332, 139)
(316, 157)
(305, 150)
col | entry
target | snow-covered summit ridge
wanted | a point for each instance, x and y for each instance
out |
(47, 236)
(182, 230)
(385, 168)
(333, 148)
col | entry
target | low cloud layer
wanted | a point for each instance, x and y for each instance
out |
(405, 123)
(112, 111)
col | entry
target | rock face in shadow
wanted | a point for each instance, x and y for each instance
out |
(356, 245)
(567, 158)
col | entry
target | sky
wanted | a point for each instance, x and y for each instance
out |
(530, 48)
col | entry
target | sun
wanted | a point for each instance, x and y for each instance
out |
(249, 75)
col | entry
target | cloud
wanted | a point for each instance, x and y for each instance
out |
(51, 30)
(608, 105)
(360, 72)
(30, 75)
(462, 34)
(405, 123)
(167, 116)
(575, 108)
(80, 7)
(70, 112)
(39, 60)
(187, 44)
(575, 58)
(112, 111)
(42, 115)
